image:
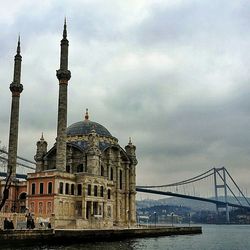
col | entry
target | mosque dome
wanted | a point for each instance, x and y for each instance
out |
(86, 126)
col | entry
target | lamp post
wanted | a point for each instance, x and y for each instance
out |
(138, 219)
(172, 218)
(155, 218)
(128, 218)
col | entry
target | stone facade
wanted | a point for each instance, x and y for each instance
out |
(97, 188)
(86, 180)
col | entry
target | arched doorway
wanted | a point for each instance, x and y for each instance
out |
(22, 202)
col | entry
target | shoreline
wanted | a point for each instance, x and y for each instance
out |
(67, 236)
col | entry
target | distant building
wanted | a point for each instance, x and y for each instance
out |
(86, 180)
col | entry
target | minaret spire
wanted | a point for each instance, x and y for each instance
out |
(65, 29)
(87, 115)
(42, 138)
(63, 75)
(18, 50)
(16, 89)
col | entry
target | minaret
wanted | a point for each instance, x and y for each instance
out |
(130, 150)
(41, 150)
(16, 88)
(63, 75)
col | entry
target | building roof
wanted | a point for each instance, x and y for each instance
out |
(85, 127)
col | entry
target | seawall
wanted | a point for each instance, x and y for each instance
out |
(68, 236)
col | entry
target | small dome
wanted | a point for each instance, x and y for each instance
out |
(85, 127)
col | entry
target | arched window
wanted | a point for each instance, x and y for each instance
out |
(22, 196)
(120, 179)
(95, 190)
(61, 188)
(67, 188)
(40, 208)
(72, 189)
(41, 188)
(79, 189)
(101, 191)
(68, 168)
(50, 188)
(79, 168)
(33, 188)
(102, 170)
(111, 174)
(109, 194)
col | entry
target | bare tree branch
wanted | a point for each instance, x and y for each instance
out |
(6, 187)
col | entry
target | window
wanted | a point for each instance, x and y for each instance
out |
(41, 188)
(60, 208)
(111, 174)
(86, 161)
(72, 189)
(60, 188)
(120, 179)
(89, 189)
(49, 207)
(101, 191)
(50, 188)
(80, 168)
(67, 188)
(95, 208)
(109, 194)
(33, 188)
(68, 169)
(79, 189)
(32, 207)
(22, 196)
(40, 208)
(95, 190)
(109, 211)
(102, 170)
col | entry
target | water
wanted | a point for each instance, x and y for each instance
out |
(214, 237)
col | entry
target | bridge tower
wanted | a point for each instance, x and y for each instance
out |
(221, 173)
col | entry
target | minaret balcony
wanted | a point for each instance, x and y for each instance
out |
(16, 87)
(63, 74)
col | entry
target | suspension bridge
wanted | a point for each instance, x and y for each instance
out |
(23, 165)
(222, 185)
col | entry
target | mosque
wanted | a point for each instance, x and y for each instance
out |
(86, 180)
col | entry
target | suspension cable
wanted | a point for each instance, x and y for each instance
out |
(19, 157)
(237, 187)
(187, 181)
(229, 188)
(18, 163)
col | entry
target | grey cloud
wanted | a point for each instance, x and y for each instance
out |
(176, 80)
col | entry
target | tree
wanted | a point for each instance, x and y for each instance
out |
(7, 181)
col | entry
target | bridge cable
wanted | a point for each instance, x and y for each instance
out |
(19, 157)
(229, 189)
(18, 163)
(237, 187)
(187, 181)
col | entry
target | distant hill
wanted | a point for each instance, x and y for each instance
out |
(193, 204)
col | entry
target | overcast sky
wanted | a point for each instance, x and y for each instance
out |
(173, 75)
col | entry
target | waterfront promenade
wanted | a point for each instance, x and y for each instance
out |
(68, 236)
